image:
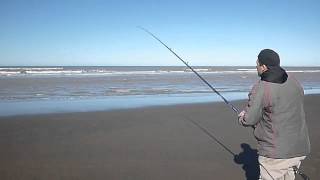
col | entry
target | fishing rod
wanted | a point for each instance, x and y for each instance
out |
(184, 62)
(296, 170)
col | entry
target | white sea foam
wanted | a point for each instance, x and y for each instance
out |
(296, 71)
(30, 68)
(109, 71)
(9, 72)
(304, 71)
(249, 70)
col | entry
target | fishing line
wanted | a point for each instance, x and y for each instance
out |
(218, 93)
(206, 131)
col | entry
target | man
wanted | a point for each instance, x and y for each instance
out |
(275, 111)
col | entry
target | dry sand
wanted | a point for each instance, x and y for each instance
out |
(141, 144)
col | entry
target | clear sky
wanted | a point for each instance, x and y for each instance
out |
(92, 32)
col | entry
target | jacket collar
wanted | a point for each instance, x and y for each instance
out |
(274, 74)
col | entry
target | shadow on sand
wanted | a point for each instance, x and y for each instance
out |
(248, 157)
(249, 160)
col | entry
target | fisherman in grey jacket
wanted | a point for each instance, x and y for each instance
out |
(275, 111)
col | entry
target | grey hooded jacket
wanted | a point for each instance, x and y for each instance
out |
(276, 112)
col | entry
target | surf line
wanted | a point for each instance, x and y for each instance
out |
(296, 170)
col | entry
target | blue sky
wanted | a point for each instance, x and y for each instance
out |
(75, 32)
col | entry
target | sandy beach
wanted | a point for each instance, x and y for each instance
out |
(163, 142)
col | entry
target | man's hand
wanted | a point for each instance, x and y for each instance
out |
(241, 117)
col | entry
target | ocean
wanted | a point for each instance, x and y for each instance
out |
(34, 90)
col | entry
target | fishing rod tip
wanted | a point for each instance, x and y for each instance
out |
(140, 27)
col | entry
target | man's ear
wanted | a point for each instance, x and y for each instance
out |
(264, 68)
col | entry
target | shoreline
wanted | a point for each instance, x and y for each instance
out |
(214, 99)
(157, 142)
(109, 103)
(8, 109)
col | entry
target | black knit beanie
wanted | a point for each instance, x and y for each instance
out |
(269, 57)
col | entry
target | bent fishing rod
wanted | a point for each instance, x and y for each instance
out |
(296, 170)
(184, 62)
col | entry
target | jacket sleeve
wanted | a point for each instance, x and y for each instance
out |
(253, 111)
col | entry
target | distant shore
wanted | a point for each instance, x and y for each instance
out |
(160, 142)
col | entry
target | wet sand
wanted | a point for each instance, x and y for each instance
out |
(195, 141)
